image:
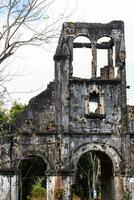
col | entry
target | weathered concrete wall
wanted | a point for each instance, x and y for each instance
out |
(130, 110)
(107, 122)
(8, 187)
(39, 144)
(74, 116)
(131, 187)
(5, 151)
(39, 116)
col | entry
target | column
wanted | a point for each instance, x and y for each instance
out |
(110, 57)
(118, 184)
(131, 188)
(8, 186)
(59, 187)
(94, 60)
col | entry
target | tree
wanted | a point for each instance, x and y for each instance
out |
(4, 118)
(24, 22)
(8, 117)
(88, 176)
(21, 25)
(15, 111)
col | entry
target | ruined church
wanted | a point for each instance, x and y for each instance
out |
(72, 117)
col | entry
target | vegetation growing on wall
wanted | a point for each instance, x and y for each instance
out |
(58, 194)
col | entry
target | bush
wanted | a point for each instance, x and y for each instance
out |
(38, 192)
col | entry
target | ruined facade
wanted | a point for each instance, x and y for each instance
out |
(77, 115)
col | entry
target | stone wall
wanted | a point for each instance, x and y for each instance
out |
(8, 187)
(74, 116)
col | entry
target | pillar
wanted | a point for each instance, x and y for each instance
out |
(118, 183)
(131, 187)
(102, 107)
(59, 185)
(8, 186)
(110, 57)
(94, 60)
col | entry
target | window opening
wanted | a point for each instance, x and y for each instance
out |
(94, 103)
(82, 57)
(106, 58)
(101, 60)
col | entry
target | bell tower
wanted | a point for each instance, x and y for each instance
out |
(91, 113)
(100, 98)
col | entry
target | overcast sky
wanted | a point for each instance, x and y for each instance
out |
(35, 66)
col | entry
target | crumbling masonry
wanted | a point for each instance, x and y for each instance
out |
(74, 116)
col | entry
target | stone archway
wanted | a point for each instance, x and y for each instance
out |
(31, 169)
(111, 179)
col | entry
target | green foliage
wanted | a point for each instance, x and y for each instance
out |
(72, 24)
(38, 192)
(127, 195)
(32, 170)
(9, 116)
(84, 177)
(81, 186)
(16, 110)
(4, 118)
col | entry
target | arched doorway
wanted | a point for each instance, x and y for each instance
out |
(95, 167)
(32, 169)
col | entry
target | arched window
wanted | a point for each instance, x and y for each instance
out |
(106, 58)
(82, 57)
(94, 103)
